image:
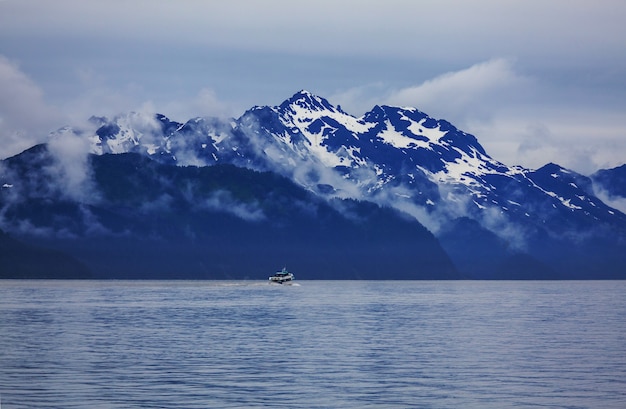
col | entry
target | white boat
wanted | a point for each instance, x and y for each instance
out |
(282, 277)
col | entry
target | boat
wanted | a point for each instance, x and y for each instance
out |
(282, 277)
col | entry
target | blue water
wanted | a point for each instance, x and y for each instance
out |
(346, 344)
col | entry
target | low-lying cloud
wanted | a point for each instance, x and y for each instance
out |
(615, 202)
(70, 168)
(224, 201)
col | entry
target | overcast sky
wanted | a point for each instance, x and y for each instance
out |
(536, 81)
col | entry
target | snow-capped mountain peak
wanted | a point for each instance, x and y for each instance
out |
(131, 132)
(306, 100)
(397, 156)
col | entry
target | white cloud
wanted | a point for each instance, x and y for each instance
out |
(459, 96)
(519, 119)
(71, 169)
(25, 117)
(469, 93)
(618, 203)
(204, 103)
(576, 137)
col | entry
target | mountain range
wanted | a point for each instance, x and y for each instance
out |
(392, 194)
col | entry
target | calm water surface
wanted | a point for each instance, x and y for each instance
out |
(346, 344)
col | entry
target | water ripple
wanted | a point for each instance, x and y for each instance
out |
(133, 344)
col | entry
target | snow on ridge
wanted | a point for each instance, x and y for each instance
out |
(467, 166)
(299, 117)
(304, 116)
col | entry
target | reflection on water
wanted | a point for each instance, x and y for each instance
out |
(349, 344)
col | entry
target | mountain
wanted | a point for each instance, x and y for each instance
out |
(144, 219)
(493, 220)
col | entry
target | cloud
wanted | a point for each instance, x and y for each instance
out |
(472, 92)
(439, 29)
(162, 203)
(358, 100)
(575, 137)
(103, 100)
(98, 94)
(25, 117)
(494, 220)
(615, 202)
(70, 169)
(519, 118)
(223, 201)
(204, 103)
(243, 51)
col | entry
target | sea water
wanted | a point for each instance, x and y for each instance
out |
(323, 344)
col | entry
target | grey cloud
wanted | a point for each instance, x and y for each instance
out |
(547, 63)
(225, 202)
(560, 28)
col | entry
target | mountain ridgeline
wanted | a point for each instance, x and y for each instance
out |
(394, 194)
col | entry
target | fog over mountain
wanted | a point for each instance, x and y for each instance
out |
(344, 193)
